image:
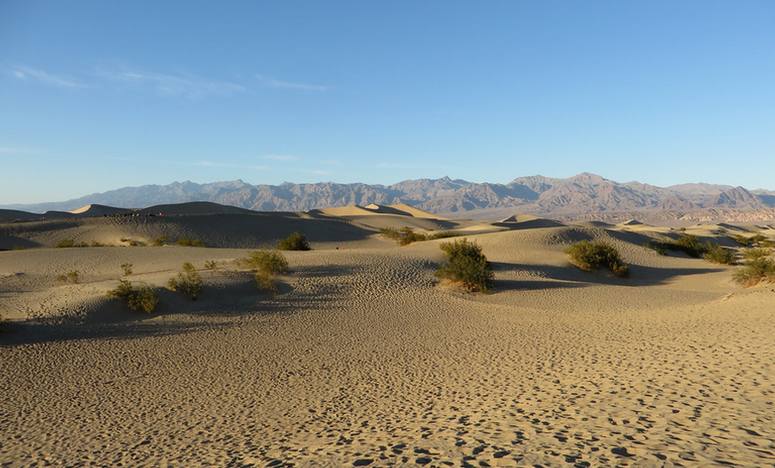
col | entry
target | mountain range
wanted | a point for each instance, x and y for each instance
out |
(584, 195)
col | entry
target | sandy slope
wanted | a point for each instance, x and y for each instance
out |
(363, 359)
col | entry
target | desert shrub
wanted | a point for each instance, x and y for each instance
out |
(141, 298)
(266, 261)
(187, 282)
(159, 241)
(403, 236)
(755, 271)
(757, 240)
(466, 265)
(126, 268)
(717, 254)
(598, 254)
(295, 241)
(211, 265)
(754, 254)
(443, 235)
(188, 242)
(686, 243)
(97, 244)
(68, 243)
(266, 282)
(70, 277)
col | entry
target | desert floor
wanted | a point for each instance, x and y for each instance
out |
(363, 359)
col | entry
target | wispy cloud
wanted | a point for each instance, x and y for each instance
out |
(26, 73)
(280, 157)
(230, 165)
(282, 84)
(184, 85)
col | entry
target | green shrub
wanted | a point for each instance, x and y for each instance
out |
(755, 271)
(142, 298)
(187, 242)
(589, 256)
(466, 265)
(187, 282)
(266, 261)
(295, 241)
(403, 236)
(126, 269)
(70, 277)
(757, 240)
(657, 247)
(754, 254)
(443, 235)
(211, 265)
(717, 254)
(266, 282)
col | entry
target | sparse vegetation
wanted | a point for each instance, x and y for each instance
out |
(657, 247)
(718, 254)
(295, 241)
(407, 235)
(140, 298)
(588, 256)
(188, 242)
(757, 240)
(266, 265)
(211, 265)
(188, 282)
(72, 277)
(755, 254)
(466, 266)
(133, 242)
(69, 243)
(126, 269)
(755, 271)
(159, 241)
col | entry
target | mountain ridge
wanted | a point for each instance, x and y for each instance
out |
(583, 194)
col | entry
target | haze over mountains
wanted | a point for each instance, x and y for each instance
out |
(581, 195)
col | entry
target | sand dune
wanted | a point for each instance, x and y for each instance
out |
(363, 359)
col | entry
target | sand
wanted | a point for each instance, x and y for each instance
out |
(362, 359)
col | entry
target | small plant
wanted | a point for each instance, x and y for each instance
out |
(757, 240)
(756, 271)
(187, 242)
(159, 241)
(142, 298)
(211, 265)
(466, 265)
(717, 254)
(266, 261)
(266, 265)
(589, 256)
(187, 282)
(295, 241)
(126, 268)
(71, 277)
(97, 244)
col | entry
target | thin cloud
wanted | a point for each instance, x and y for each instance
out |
(182, 85)
(282, 84)
(281, 157)
(25, 73)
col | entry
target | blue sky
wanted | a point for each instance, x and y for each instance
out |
(99, 95)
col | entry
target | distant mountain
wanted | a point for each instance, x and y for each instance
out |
(584, 194)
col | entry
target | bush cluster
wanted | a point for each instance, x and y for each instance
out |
(755, 271)
(717, 254)
(598, 254)
(407, 235)
(266, 264)
(211, 265)
(757, 240)
(466, 265)
(141, 298)
(188, 282)
(295, 241)
(126, 269)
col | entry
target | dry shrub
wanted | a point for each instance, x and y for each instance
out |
(466, 265)
(188, 282)
(140, 298)
(589, 256)
(295, 241)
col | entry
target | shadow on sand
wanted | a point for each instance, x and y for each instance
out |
(571, 277)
